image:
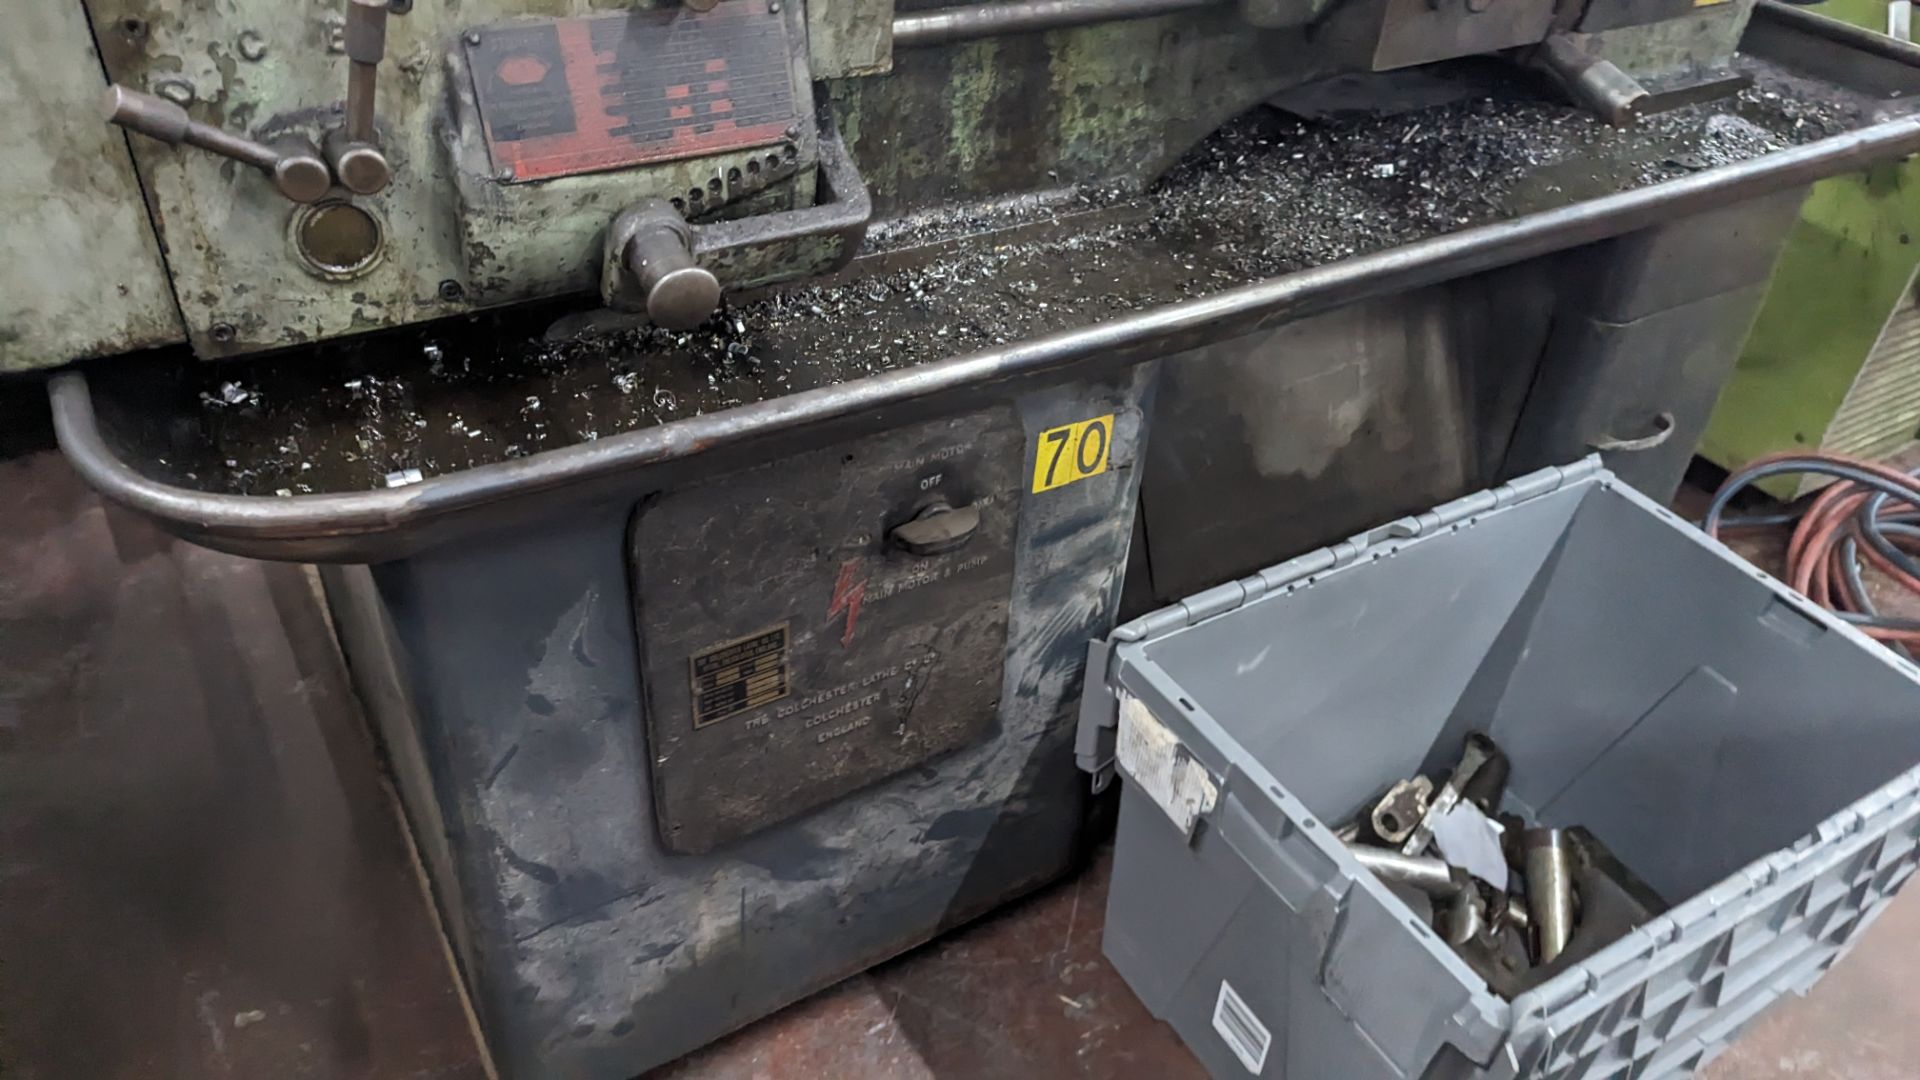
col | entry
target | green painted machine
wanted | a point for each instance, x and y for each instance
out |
(303, 172)
(1833, 362)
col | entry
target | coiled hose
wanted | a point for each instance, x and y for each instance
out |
(1870, 515)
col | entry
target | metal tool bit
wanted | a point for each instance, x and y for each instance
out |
(1432, 876)
(1549, 870)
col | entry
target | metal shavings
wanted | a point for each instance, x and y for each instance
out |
(1266, 195)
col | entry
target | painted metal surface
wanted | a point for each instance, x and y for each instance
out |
(1113, 103)
(1847, 267)
(1644, 336)
(455, 237)
(84, 276)
(1110, 103)
(649, 86)
(800, 706)
(595, 950)
(850, 38)
(1378, 409)
(1095, 104)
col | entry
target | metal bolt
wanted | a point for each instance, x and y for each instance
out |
(504, 174)
(473, 37)
(179, 91)
(451, 292)
(222, 332)
(793, 131)
(252, 46)
(773, 7)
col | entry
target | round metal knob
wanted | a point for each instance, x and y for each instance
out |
(300, 173)
(681, 294)
(363, 169)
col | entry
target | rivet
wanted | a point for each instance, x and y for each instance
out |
(473, 37)
(222, 332)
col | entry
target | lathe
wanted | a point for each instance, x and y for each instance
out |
(321, 170)
(725, 424)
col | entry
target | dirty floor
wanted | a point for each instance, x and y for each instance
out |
(202, 873)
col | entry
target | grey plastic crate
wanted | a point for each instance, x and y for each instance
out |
(1746, 753)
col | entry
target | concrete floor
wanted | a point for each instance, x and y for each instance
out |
(202, 873)
(201, 869)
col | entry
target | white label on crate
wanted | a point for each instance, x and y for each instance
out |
(1242, 1031)
(1160, 767)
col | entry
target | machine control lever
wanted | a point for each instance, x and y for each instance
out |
(293, 163)
(938, 529)
(352, 148)
(680, 293)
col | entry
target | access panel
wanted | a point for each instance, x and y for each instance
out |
(816, 624)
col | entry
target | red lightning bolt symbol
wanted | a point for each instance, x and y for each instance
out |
(848, 594)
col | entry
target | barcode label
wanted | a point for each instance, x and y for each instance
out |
(1243, 1032)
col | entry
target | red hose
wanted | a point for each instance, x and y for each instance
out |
(1816, 553)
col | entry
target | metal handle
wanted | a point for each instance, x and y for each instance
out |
(293, 163)
(938, 529)
(1663, 425)
(351, 148)
(654, 261)
(680, 293)
(842, 212)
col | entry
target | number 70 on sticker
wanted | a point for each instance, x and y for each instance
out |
(1072, 452)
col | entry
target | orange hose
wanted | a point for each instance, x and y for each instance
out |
(1816, 555)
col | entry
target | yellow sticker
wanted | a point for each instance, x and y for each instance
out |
(1072, 452)
(1710, 3)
